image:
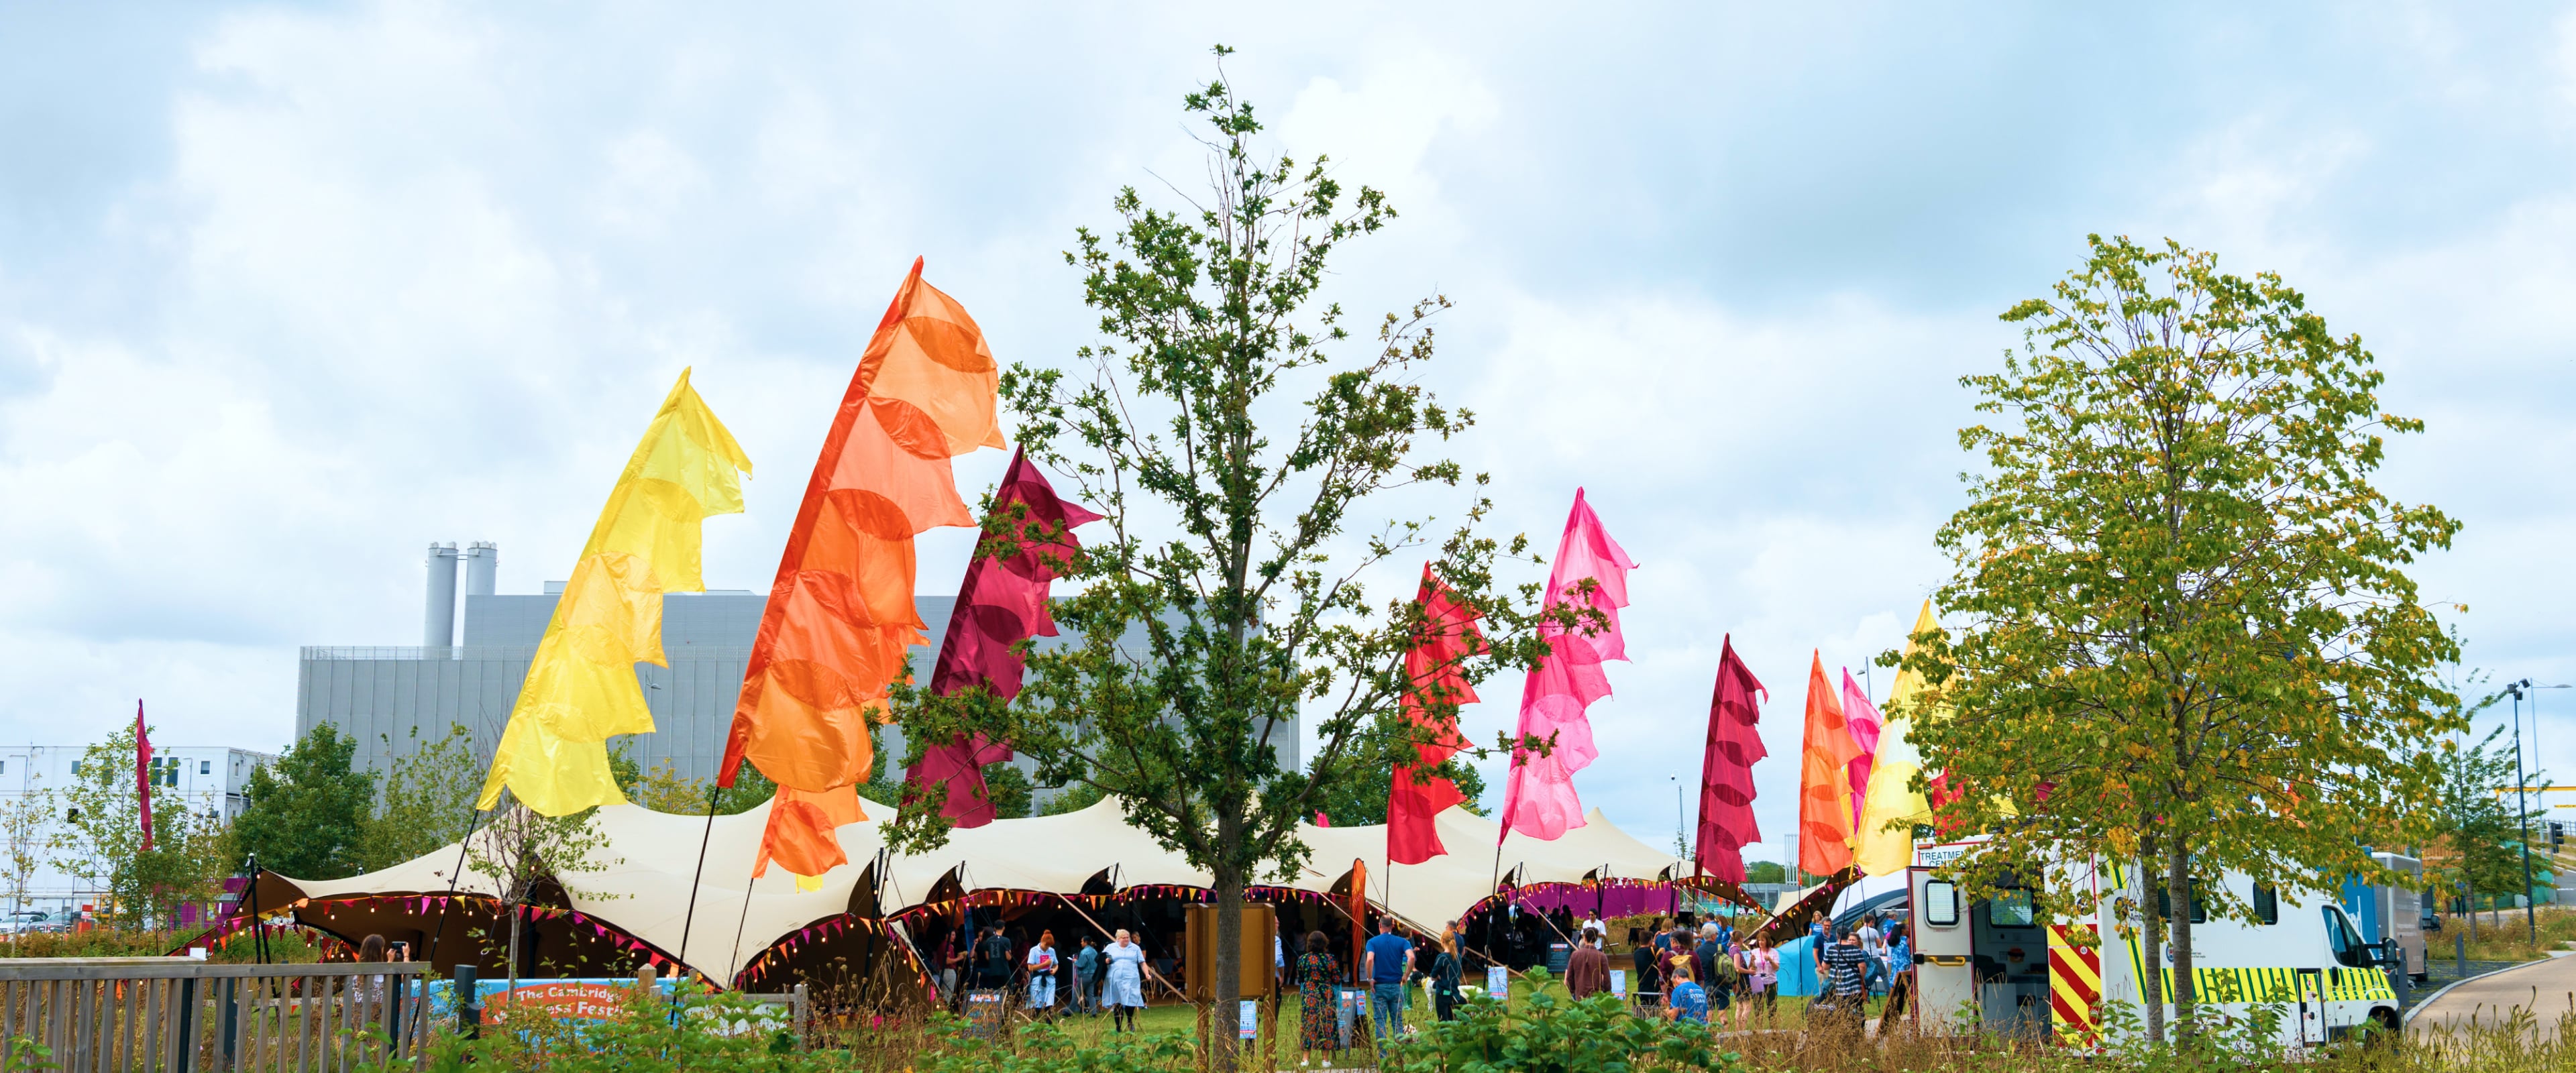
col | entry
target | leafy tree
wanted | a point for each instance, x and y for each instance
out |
(100, 838)
(427, 801)
(1353, 802)
(1074, 798)
(1231, 438)
(26, 829)
(308, 809)
(1008, 788)
(2477, 839)
(1766, 872)
(2182, 632)
(523, 849)
(664, 789)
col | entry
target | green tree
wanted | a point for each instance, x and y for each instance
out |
(664, 789)
(26, 829)
(1008, 788)
(2477, 840)
(308, 809)
(1766, 872)
(523, 850)
(427, 801)
(1356, 802)
(2182, 631)
(100, 837)
(1074, 798)
(1231, 433)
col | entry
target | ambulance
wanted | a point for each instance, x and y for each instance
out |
(2006, 964)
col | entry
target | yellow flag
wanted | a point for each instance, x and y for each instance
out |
(581, 687)
(1877, 848)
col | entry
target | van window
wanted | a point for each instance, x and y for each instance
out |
(1941, 903)
(2010, 909)
(2267, 903)
(2346, 942)
(2164, 904)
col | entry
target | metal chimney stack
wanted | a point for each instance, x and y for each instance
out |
(482, 567)
(438, 625)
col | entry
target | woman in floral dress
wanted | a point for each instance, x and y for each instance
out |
(1318, 998)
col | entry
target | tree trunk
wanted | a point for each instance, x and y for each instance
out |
(2178, 889)
(1225, 982)
(514, 948)
(2151, 984)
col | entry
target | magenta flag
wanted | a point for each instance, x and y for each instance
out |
(1726, 823)
(1540, 800)
(1028, 542)
(1863, 721)
(143, 771)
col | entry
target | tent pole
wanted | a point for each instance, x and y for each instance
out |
(715, 791)
(736, 961)
(438, 928)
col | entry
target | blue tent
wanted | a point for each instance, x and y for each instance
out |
(1798, 966)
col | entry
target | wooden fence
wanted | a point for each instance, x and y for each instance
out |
(98, 1015)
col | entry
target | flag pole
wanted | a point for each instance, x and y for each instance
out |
(715, 791)
(473, 821)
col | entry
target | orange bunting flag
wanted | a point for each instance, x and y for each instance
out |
(840, 615)
(1824, 780)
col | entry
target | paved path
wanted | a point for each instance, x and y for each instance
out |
(2545, 986)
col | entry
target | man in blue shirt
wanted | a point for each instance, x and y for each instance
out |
(1384, 961)
(1689, 1002)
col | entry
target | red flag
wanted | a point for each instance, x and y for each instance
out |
(1002, 601)
(143, 771)
(1726, 823)
(1436, 687)
(1824, 780)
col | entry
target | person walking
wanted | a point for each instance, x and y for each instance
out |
(1042, 966)
(1587, 970)
(1445, 971)
(1318, 1001)
(1086, 978)
(1873, 945)
(1762, 967)
(1124, 990)
(1900, 970)
(1642, 961)
(1849, 999)
(1384, 961)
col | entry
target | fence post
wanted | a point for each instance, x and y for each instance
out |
(230, 1030)
(2460, 951)
(804, 1019)
(469, 1008)
(187, 1024)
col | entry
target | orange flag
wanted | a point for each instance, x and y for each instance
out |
(840, 615)
(1824, 780)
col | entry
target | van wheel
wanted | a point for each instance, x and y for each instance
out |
(2385, 1029)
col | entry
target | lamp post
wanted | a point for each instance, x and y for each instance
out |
(2522, 811)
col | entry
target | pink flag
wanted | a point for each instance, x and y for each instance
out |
(1863, 721)
(1027, 543)
(1726, 823)
(1540, 801)
(1436, 686)
(143, 772)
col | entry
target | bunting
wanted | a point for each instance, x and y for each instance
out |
(581, 687)
(1884, 844)
(1726, 823)
(1824, 780)
(1540, 801)
(1436, 687)
(840, 614)
(1028, 543)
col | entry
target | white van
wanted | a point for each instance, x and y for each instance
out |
(2004, 964)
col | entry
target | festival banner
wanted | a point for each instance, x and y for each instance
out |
(1540, 801)
(1726, 822)
(1824, 780)
(840, 614)
(1436, 688)
(581, 687)
(1028, 543)
(1884, 843)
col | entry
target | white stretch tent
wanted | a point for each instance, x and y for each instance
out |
(643, 886)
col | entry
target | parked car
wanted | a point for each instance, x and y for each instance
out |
(25, 920)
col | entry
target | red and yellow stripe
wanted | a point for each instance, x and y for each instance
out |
(2075, 982)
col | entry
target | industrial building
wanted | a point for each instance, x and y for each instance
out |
(467, 673)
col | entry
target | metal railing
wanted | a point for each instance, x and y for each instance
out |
(175, 1014)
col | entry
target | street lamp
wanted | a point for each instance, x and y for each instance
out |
(2522, 809)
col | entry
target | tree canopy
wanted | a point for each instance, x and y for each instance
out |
(307, 811)
(2181, 629)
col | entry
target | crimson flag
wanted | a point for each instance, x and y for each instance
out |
(143, 771)
(1028, 542)
(1726, 823)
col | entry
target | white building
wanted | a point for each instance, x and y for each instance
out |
(205, 780)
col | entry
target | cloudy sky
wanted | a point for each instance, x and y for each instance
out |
(289, 291)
